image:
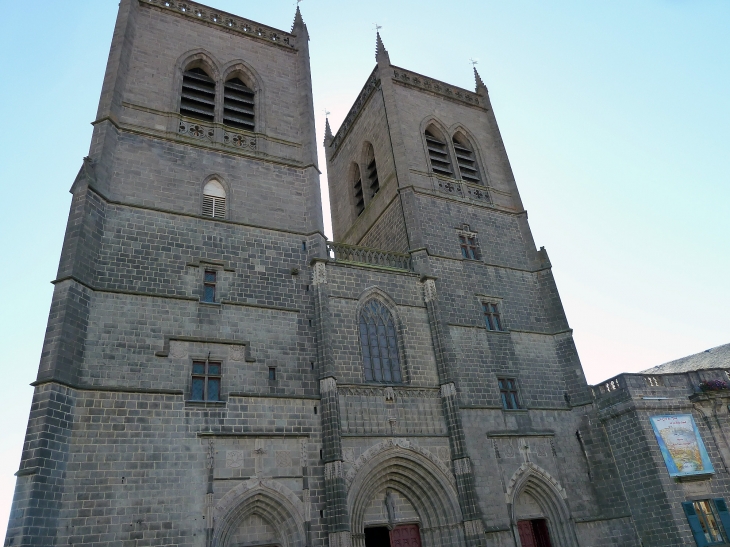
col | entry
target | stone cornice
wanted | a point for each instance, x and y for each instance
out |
(370, 86)
(413, 79)
(226, 21)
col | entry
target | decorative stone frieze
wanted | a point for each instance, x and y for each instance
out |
(233, 23)
(319, 273)
(327, 384)
(448, 390)
(429, 290)
(371, 85)
(429, 84)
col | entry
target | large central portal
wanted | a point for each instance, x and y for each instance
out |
(406, 535)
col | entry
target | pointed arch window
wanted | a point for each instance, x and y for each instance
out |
(379, 343)
(438, 153)
(238, 105)
(466, 160)
(214, 200)
(372, 171)
(357, 187)
(197, 99)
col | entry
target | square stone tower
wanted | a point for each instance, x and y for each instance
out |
(215, 373)
(181, 292)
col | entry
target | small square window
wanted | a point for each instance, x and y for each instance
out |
(206, 385)
(492, 318)
(209, 284)
(469, 247)
(272, 374)
(508, 393)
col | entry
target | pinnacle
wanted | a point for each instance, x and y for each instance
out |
(479, 82)
(380, 51)
(327, 130)
(298, 20)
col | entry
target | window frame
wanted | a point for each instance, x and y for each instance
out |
(509, 385)
(469, 246)
(210, 284)
(206, 376)
(493, 315)
(394, 349)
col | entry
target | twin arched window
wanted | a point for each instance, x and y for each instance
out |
(440, 156)
(379, 343)
(198, 100)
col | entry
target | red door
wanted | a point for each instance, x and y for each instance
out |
(405, 536)
(527, 536)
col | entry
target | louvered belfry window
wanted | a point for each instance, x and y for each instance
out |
(467, 162)
(198, 95)
(372, 171)
(357, 186)
(238, 105)
(379, 344)
(214, 200)
(438, 154)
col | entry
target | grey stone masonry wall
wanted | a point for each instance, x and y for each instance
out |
(624, 406)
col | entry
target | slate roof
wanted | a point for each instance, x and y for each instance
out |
(718, 357)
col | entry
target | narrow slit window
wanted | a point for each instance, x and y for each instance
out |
(206, 385)
(238, 105)
(372, 172)
(209, 285)
(197, 99)
(508, 394)
(492, 317)
(438, 153)
(214, 200)
(357, 187)
(379, 344)
(466, 160)
(272, 374)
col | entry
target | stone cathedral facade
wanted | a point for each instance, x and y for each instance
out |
(216, 373)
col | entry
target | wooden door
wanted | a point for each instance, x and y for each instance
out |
(406, 535)
(542, 535)
(527, 536)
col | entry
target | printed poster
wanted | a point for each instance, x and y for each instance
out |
(681, 445)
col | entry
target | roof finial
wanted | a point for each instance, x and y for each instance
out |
(380, 52)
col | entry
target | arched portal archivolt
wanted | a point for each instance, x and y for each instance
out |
(427, 487)
(533, 485)
(271, 502)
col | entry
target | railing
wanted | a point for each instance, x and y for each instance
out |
(339, 252)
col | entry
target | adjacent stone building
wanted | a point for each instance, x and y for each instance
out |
(216, 373)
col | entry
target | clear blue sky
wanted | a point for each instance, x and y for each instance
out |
(616, 118)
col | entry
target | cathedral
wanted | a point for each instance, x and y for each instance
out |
(217, 373)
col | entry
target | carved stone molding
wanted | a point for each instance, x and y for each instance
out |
(327, 384)
(435, 86)
(395, 445)
(448, 390)
(196, 130)
(371, 85)
(201, 13)
(429, 290)
(319, 273)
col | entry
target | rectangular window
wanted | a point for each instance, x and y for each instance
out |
(209, 284)
(708, 520)
(492, 318)
(272, 374)
(469, 249)
(206, 381)
(508, 393)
